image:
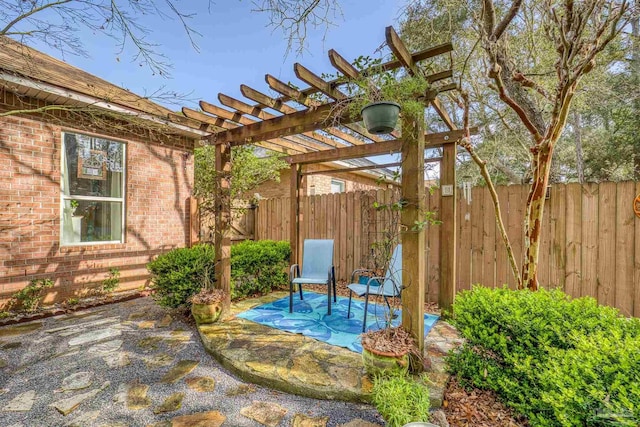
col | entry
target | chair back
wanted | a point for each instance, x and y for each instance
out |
(317, 257)
(393, 278)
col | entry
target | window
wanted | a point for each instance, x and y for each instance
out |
(337, 186)
(92, 190)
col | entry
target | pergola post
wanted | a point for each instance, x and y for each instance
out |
(448, 228)
(294, 239)
(413, 244)
(223, 220)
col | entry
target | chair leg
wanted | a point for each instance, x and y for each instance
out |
(329, 298)
(291, 297)
(366, 306)
(349, 309)
(300, 288)
(334, 287)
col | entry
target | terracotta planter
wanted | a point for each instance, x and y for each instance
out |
(381, 363)
(380, 117)
(206, 313)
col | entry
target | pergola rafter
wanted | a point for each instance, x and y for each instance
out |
(321, 132)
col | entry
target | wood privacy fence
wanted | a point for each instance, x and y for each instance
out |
(590, 237)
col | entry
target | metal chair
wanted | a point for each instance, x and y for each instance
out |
(391, 284)
(317, 269)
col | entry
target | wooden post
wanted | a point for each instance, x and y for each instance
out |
(448, 227)
(223, 220)
(194, 222)
(413, 243)
(294, 235)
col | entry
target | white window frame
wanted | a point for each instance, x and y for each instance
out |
(122, 199)
(341, 183)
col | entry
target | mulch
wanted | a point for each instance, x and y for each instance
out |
(477, 408)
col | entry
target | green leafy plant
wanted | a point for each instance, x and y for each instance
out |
(377, 84)
(557, 361)
(72, 301)
(180, 273)
(73, 203)
(400, 399)
(112, 281)
(257, 267)
(30, 296)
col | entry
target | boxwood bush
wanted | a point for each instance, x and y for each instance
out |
(180, 273)
(256, 267)
(557, 361)
(259, 266)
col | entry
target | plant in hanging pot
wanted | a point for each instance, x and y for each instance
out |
(380, 95)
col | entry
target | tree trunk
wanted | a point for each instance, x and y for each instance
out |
(534, 213)
(577, 133)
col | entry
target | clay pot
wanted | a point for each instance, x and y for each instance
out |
(382, 363)
(206, 313)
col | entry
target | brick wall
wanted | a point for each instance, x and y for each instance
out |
(321, 183)
(158, 184)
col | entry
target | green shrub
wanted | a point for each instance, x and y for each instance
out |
(30, 296)
(258, 266)
(112, 281)
(400, 399)
(559, 362)
(180, 273)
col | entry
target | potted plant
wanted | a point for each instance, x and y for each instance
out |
(207, 305)
(380, 117)
(388, 351)
(380, 95)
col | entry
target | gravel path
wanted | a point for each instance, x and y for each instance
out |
(124, 364)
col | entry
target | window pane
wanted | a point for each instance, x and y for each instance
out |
(337, 186)
(92, 166)
(91, 221)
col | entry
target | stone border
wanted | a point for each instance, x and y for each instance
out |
(56, 311)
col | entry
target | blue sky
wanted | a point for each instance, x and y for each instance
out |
(236, 47)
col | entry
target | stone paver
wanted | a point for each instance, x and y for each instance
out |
(266, 413)
(101, 368)
(21, 403)
(68, 405)
(301, 420)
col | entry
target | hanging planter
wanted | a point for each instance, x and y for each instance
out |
(380, 117)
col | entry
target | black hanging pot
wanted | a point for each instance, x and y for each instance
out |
(380, 117)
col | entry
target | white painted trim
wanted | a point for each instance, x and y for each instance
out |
(97, 102)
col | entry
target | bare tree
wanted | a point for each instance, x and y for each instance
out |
(579, 31)
(59, 24)
(296, 17)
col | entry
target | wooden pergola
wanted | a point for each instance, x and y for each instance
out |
(320, 132)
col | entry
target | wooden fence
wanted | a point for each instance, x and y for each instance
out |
(590, 237)
(202, 226)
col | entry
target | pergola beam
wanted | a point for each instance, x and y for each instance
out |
(317, 82)
(282, 126)
(301, 98)
(400, 50)
(269, 102)
(368, 167)
(319, 141)
(432, 140)
(277, 144)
